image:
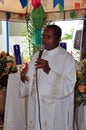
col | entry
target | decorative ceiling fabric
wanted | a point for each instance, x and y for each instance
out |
(18, 8)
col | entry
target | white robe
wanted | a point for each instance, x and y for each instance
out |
(56, 92)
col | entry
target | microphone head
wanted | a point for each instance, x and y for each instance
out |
(42, 47)
(41, 51)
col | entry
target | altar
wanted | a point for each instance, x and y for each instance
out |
(15, 118)
(80, 118)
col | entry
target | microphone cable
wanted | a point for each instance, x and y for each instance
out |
(39, 113)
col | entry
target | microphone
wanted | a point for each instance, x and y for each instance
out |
(41, 51)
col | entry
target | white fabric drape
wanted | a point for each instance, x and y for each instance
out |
(15, 106)
(80, 118)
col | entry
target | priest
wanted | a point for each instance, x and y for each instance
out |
(49, 82)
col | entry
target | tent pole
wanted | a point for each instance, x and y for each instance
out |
(7, 36)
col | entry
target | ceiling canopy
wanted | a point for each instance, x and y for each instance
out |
(55, 9)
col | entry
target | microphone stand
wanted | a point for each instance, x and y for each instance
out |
(40, 54)
(38, 101)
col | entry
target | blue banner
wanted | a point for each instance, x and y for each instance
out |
(23, 3)
(55, 2)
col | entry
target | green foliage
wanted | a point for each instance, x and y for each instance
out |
(68, 36)
(28, 44)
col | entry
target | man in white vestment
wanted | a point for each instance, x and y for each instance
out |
(49, 83)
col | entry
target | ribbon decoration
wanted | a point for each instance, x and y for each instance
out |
(77, 5)
(38, 17)
(35, 3)
(23, 3)
(61, 2)
(72, 14)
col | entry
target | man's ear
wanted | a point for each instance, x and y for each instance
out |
(59, 39)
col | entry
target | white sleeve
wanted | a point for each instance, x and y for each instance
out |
(25, 87)
(23, 90)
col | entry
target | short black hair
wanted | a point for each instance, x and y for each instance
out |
(57, 30)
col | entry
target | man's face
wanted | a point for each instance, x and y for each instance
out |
(50, 40)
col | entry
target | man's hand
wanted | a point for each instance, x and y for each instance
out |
(42, 64)
(24, 71)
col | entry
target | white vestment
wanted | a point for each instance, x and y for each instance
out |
(56, 92)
